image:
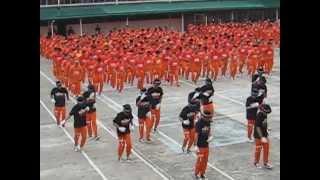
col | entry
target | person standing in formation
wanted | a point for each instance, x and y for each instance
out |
(261, 136)
(91, 116)
(58, 96)
(187, 117)
(156, 94)
(123, 123)
(144, 114)
(79, 112)
(202, 138)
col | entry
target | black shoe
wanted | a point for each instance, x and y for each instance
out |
(203, 176)
(155, 130)
(188, 151)
(97, 138)
(182, 148)
(196, 176)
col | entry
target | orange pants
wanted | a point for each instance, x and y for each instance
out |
(155, 117)
(98, 86)
(250, 126)
(60, 113)
(269, 66)
(145, 122)
(202, 160)
(241, 65)
(174, 77)
(189, 135)
(124, 141)
(208, 107)
(91, 118)
(233, 71)
(120, 84)
(224, 68)
(140, 82)
(259, 147)
(80, 132)
(130, 78)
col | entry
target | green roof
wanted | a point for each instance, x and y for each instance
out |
(50, 13)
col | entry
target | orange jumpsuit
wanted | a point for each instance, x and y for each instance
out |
(174, 72)
(120, 76)
(140, 74)
(242, 58)
(76, 76)
(195, 69)
(98, 79)
(225, 62)
(233, 66)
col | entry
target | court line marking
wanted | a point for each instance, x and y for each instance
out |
(69, 136)
(167, 137)
(134, 151)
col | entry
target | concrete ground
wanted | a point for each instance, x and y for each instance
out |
(230, 156)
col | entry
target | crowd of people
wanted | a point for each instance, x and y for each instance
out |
(142, 55)
(153, 55)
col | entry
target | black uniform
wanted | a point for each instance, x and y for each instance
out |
(256, 87)
(89, 102)
(59, 95)
(188, 112)
(206, 89)
(197, 103)
(203, 130)
(261, 121)
(123, 120)
(144, 105)
(252, 112)
(156, 94)
(79, 118)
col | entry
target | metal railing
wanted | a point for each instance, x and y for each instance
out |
(66, 3)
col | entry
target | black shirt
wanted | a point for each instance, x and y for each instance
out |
(197, 100)
(59, 95)
(252, 112)
(261, 122)
(156, 94)
(143, 105)
(188, 112)
(203, 130)
(90, 100)
(207, 92)
(79, 115)
(123, 120)
(259, 87)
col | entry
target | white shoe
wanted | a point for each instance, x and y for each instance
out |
(267, 166)
(76, 148)
(250, 140)
(257, 165)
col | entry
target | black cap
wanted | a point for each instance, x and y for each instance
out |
(260, 70)
(157, 81)
(197, 89)
(208, 81)
(127, 108)
(91, 87)
(80, 99)
(143, 90)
